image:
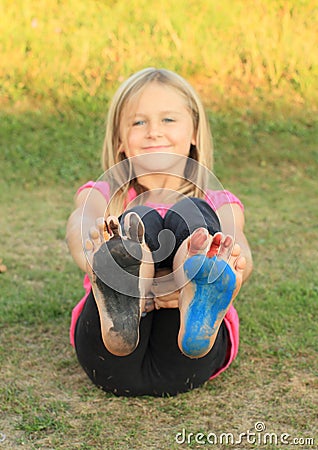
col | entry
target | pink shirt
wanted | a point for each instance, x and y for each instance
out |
(215, 199)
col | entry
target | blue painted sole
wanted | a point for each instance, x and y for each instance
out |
(210, 301)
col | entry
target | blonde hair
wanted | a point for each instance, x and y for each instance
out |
(202, 152)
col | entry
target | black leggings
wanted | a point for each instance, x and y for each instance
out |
(157, 367)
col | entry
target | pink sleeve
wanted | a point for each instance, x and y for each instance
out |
(78, 309)
(101, 186)
(216, 199)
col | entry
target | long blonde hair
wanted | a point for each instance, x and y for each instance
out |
(202, 152)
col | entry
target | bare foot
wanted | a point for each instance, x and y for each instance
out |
(214, 269)
(119, 272)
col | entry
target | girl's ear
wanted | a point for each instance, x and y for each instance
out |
(193, 153)
(120, 155)
(121, 148)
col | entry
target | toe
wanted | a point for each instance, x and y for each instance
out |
(134, 228)
(215, 244)
(113, 226)
(198, 240)
(225, 249)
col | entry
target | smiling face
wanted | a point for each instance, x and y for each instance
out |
(158, 122)
(157, 135)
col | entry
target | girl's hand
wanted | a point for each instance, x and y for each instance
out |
(167, 301)
(164, 289)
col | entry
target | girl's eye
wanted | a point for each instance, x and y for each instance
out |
(168, 120)
(138, 123)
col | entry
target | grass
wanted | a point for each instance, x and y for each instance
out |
(48, 403)
(59, 67)
(72, 52)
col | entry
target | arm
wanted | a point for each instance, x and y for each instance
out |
(232, 219)
(90, 204)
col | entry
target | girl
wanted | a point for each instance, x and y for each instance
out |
(164, 255)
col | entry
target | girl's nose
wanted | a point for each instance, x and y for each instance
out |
(154, 129)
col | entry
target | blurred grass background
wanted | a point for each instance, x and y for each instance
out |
(255, 65)
(237, 52)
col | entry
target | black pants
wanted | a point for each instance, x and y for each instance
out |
(157, 366)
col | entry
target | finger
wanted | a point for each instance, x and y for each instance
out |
(149, 305)
(100, 224)
(240, 264)
(165, 297)
(89, 246)
(236, 250)
(162, 291)
(166, 304)
(95, 236)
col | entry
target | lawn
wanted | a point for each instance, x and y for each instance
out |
(48, 403)
(51, 128)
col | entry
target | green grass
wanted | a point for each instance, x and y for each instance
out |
(72, 51)
(47, 401)
(60, 63)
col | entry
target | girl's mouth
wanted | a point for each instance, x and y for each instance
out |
(157, 148)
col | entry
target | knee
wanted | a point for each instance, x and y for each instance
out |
(192, 213)
(210, 216)
(141, 210)
(148, 215)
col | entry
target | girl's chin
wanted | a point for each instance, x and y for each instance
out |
(158, 161)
